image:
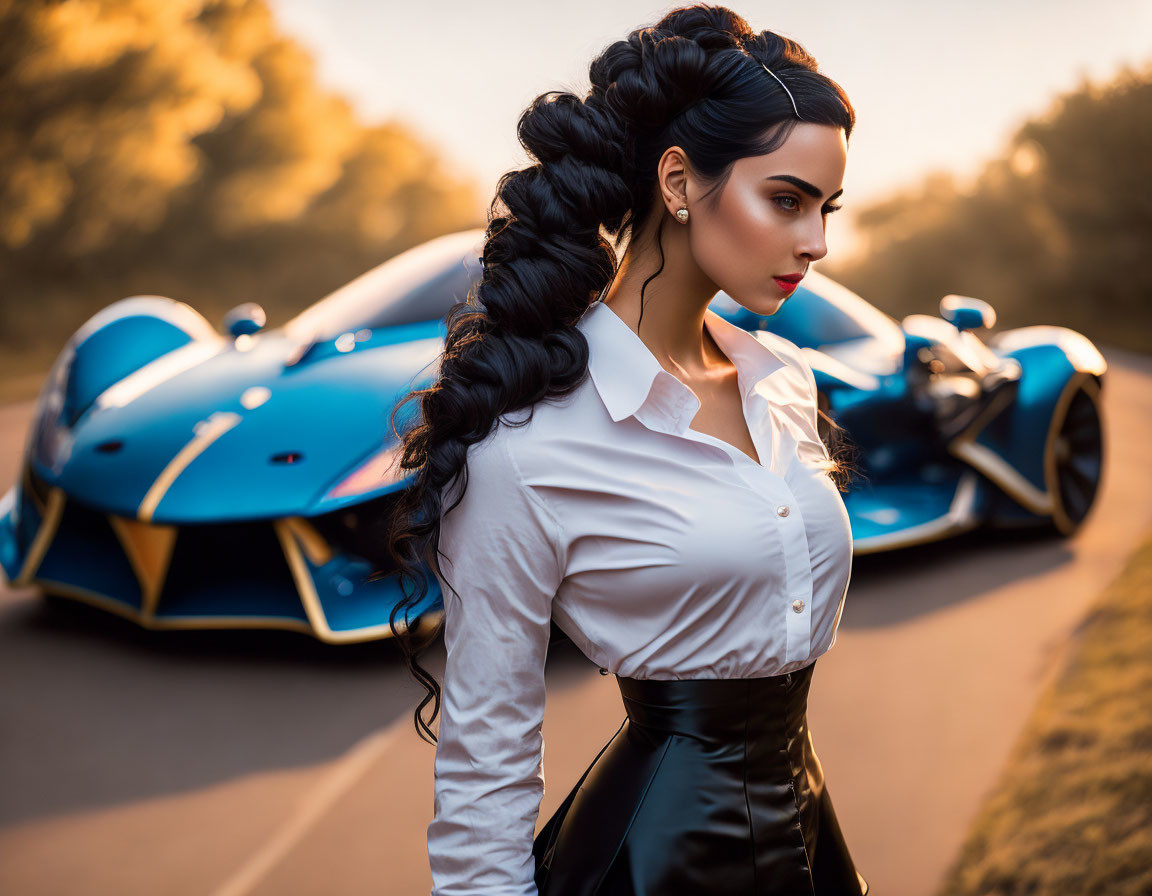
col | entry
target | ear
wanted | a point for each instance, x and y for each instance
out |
(673, 174)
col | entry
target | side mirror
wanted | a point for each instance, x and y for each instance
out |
(967, 313)
(246, 319)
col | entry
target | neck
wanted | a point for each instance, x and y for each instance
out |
(674, 303)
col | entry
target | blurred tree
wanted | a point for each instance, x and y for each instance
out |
(1094, 162)
(266, 166)
(1053, 232)
(184, 147)
(101, 102)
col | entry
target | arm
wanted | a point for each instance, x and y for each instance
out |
(501, 549)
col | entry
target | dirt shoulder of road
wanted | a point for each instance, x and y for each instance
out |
(1072, 811)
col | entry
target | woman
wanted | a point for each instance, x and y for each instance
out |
(658, 487)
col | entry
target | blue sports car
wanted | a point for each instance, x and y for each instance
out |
(186, 478)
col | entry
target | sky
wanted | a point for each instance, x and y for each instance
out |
(936, 85)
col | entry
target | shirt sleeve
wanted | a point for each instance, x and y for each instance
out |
(501, 549)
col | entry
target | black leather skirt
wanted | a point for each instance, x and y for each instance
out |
(709, 786)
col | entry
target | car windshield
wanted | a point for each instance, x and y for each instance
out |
(415, 286)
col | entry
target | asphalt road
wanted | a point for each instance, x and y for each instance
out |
(245, 763)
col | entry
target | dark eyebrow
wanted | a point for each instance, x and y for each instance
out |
(808, 188)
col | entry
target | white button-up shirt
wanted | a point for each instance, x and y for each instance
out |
(662, 552)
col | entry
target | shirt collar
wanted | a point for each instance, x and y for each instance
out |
(630, 379)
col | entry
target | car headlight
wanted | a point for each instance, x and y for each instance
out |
(380, 470)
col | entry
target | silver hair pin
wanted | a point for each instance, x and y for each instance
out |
(786, 90)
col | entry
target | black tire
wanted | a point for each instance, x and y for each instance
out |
(1074, 455)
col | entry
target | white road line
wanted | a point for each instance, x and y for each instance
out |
(312, 807)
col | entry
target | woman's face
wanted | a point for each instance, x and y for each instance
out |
(768, 220)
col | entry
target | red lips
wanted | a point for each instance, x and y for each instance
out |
(787, 282)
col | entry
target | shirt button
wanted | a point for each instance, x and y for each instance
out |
(798, 605)
(782, 510)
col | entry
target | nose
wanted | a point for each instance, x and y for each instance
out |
(812, 244)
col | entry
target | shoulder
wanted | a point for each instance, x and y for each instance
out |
(541, 437)
(505, 468)
(488, 469)
(492, 514)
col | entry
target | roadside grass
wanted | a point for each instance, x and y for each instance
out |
(1072, 811)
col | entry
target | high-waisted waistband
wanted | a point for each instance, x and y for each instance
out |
(709, 786)
(722, 708)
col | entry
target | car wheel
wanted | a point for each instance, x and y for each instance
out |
(1074, 457)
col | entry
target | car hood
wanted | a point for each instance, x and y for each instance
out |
(238, 430)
